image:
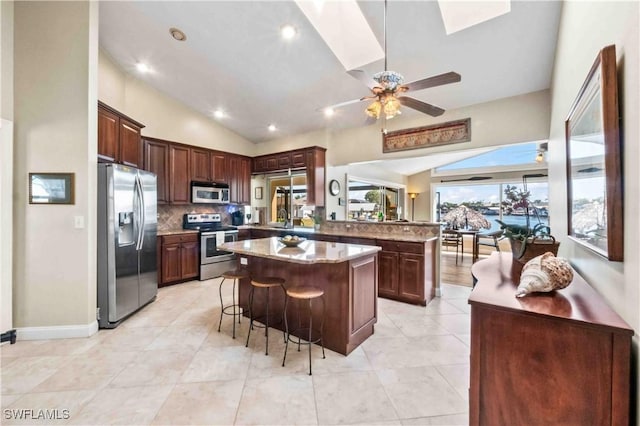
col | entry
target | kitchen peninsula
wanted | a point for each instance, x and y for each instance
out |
(348, 274)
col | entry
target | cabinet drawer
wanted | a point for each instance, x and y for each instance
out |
(179, 238)
(402, 247)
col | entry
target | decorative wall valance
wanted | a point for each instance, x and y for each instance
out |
(427, 136)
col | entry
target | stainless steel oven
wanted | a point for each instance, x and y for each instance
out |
(214, 261)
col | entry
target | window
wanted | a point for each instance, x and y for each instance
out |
(509, 157)
(487, 199)
(371, 201)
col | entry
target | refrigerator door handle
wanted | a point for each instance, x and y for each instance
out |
(143, 211)
(140, 209)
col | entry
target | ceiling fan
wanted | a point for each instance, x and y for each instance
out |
(387, 89)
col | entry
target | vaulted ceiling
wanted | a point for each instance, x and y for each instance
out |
(234, 58)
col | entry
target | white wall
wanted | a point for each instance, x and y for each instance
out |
(163, 116)
(6, 165)
(55, 110)
(585, 28)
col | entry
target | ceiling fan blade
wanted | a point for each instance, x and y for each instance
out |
(432, 110)
(365, 79)
(438, 80)
(341, 104)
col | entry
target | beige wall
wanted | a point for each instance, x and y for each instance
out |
(6, 165)
(55, 112)
(585, 28)
(164, 117)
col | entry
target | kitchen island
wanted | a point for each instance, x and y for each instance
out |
(348, 274)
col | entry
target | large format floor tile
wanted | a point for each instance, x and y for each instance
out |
(168, 364)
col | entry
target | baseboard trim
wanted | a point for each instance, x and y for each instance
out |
(57, 332)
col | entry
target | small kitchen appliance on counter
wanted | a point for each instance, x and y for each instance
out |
(213, 261)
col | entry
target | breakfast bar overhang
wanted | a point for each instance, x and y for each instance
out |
(348, 274)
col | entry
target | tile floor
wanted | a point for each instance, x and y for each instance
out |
(169, 365)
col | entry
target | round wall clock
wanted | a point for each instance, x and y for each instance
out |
(334, 187)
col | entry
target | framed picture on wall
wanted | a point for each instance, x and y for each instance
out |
(51, 188)
(258, 193)
(594, 162)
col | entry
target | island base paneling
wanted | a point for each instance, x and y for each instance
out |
(350, 290)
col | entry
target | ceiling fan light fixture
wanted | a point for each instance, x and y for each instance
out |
(373, 110)
(391, 107)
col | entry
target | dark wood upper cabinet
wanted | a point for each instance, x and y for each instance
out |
(156, 160)
(107, 135)
(180, 174)
(239, 178)
(200, 165)
(219, 167)
(312, 160)
(119, 138)
(298, 159)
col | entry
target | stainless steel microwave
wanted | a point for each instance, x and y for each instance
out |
(209, 193)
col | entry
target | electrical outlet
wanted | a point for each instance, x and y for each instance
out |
(406, 229)
(244, 261)
(348, 226)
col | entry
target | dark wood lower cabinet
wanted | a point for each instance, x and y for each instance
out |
(406, 270)
(179, 258)
(560, 358)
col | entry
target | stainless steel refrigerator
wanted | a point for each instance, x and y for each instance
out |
(127, 227)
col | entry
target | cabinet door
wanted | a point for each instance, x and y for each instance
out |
(219, 168)
(298, 159)
(315, 177)
(271, 163)
(171, 263)
(107, 135)
(284, 161)
(233, 163)
(156, 160)
(200, 165)
(244, 178)
(179, 175)
(129, 140)
(411, 276)
(387, 273)
(259, 165)
(190, 260)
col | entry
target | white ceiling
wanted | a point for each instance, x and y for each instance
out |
(234, 58)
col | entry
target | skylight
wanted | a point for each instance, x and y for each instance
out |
(344, 28)
(459, 15)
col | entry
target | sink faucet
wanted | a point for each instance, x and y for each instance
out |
(282, 214)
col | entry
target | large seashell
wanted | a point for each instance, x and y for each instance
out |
(544, 273)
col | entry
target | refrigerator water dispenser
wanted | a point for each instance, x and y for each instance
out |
(125, 233)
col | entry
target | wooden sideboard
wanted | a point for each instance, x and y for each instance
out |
(560, 358)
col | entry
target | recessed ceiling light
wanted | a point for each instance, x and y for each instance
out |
(288, 31)
(177, 34)
(219, 113)
(143, 68)
(328, 112)
(272, 127)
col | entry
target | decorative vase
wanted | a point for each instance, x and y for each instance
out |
(534, 247)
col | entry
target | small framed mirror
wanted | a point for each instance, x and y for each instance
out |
(594, 165)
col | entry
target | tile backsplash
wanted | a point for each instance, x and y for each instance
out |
(170, 217)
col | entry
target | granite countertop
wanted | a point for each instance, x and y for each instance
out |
(408, 236)
(176, 232)
(307, 252)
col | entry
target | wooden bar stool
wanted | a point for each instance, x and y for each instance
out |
(267, 283)
(300, 293)
(235, 276)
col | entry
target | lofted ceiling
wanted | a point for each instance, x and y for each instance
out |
(235, 60)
